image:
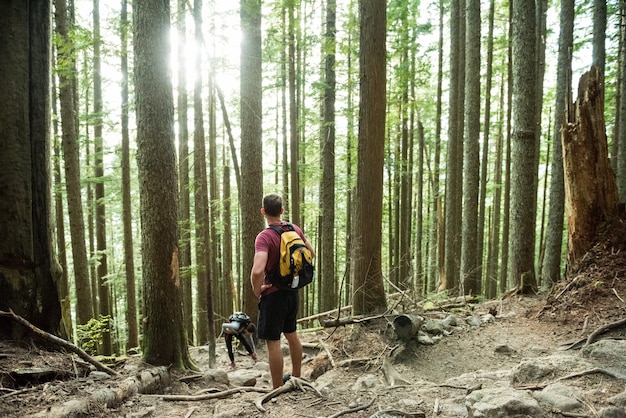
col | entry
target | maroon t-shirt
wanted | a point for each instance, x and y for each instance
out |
(269, 241)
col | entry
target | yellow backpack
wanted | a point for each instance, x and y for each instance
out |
(295, 267)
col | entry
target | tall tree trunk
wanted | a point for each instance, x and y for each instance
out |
(67, 331)
(620, 137)
(450, 279)
(551, 268)
(369, 292)
(213, 262)
(471, 149)
(251, 145)
(523, 148)
(184, 210)
(129, 253)
(101, 232)
(506, 222)
(164, 338)
(346, 288)
(200, 190)
(293, 118)
(438, 249)
(491, 277)
(28, 272)
(329, 288)
(84, 311)
(484, 164)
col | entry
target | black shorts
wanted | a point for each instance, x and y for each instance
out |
(278, 312)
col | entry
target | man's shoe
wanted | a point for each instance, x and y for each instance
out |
(286, 377)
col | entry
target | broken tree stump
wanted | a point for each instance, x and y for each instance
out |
(407, 326)
(590, 187)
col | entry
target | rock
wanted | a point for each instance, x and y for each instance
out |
(216, 376)
(559, 396)
(612, 412)
(502, 402)
(473, 321)
(618, 400)
(425, 339)
(244, 377)
(504, 349)
(536, 370)
(367, 382)
(433, 327)
(612, 351)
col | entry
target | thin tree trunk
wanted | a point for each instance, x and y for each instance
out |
(523, 148)
(201, 203)
(480, 253)
(471, 150)
(101, 244)
(329, 288)
(84, 311)
(551, 267)
(251, 145)
(293, 119)
(183, 175)
(129, 256)
(67, 331)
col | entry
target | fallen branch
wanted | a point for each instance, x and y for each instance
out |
(355, 409)
(59, 341)
(213, 395)
(398, 413)
(292, 384)
(540, 386)
(594, 335)
(330, 323)
(328, 353)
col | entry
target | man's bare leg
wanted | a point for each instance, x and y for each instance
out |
(295, 351)
(275, 358)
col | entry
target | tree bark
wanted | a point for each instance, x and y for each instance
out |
(251, 144)
(369, 292)
(590, 188)
(328, 289)
(164, 338)
(28, 269)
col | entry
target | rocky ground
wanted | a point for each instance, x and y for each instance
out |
(363, 368)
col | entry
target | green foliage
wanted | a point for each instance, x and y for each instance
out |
(90, 334)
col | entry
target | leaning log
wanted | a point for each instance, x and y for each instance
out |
(590, 188)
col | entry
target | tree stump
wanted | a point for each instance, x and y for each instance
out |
(590, 187)
(407, 326)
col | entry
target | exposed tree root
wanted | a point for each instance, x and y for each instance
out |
(292, 384)
(59, 341)
(539, 386)
(212, 395)
(594, 335)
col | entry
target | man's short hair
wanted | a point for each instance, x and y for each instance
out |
(272, 204)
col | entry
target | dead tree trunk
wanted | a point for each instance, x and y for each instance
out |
(590, 188)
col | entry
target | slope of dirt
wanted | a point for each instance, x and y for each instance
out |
(524, 327)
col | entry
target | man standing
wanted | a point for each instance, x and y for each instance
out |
(278, 308)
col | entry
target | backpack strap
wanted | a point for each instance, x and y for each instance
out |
(280, 229)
